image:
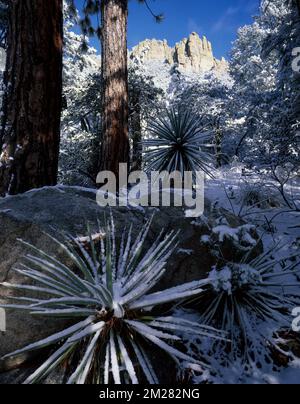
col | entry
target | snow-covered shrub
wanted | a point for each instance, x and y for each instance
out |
(252, 301)
(257, 195)
(78, 157)
(109, 291)
(232, 278)
(242, 236)
(145, 101)
(177, 142)
(208, 97)
(286, 178)
(81, 119)
(231, 243)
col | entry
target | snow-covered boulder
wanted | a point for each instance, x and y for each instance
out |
(49, 210)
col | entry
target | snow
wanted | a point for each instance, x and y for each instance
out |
(232, 277)
(62, 189)
(250, 107)
(285, 221)
(237, 234)
(205, 239)
(226, 231)
(184, 251)
(221, 280)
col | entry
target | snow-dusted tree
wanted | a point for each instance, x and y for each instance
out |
(254, 89)
(30, 132)
(283, 39)
(208, 98)
(81, 123)
(266, 88)
(81, 107)
(144, 103)
(112, 30)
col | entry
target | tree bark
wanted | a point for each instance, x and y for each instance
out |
(30, 132)
(115, 138)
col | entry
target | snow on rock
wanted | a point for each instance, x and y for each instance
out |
(192, 54)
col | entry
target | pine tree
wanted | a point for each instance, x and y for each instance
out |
(112, 32)
(115, 142)
(30, 130)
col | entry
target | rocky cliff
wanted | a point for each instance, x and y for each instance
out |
(192, 54)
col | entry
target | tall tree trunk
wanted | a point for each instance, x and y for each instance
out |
(115, 141)
(30, 130)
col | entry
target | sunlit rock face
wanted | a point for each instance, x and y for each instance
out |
(153, 50)
(192, 54)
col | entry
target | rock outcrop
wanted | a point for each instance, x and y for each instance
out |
(152, 49)
(192, 54)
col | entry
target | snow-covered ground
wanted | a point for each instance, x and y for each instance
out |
(273, 219)
(276, 223)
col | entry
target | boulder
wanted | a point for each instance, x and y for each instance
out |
(48, 210)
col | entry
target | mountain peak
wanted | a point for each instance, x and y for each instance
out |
(192, 54)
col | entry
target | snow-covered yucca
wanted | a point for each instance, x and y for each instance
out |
(176, 144)
(109, 291)
(252, 301)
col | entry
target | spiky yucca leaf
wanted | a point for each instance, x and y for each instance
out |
(110, 295)
(252, 301)
(176, 144)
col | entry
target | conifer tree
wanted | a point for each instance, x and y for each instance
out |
(30, 133)
(112, 30)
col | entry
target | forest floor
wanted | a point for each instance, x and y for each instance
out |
(257, 200)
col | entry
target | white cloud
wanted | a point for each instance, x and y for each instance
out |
(227, 20)
(193, 26)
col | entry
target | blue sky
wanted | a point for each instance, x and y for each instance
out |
(217, 19)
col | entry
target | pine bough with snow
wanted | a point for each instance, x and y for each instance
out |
(118, 316)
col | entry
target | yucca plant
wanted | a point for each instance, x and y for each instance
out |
(177, 143)
(252, 301)
(108, 289)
